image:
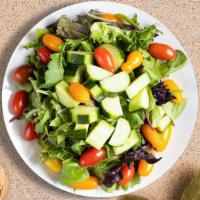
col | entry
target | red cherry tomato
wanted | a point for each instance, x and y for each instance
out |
(127, 173)
(104, 59)
(162, 51)
(19, 102)
(29, 132)
(44, 55)
(22, 73)
(92, 156)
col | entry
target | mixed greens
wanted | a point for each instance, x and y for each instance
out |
(95, 95)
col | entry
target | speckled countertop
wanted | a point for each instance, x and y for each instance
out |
(18, 16)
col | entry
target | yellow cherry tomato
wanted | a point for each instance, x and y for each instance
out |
(153, 137)
(166, 136)
(90, 183)
(171, 85)
(51, 41)
(111, 17)
(54, 164)
(144, 168)
(133, 61)
(79, 92)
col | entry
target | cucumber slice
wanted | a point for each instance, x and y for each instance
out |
(97, 73)
(89, 84)
(164, 123)
(64, 96)
(121, 133)
(116, 83)
(112, 107)
(84, 114)
(117, 54)
(130, 142)
(100, 134)
(79, 57)
(81, 129)
(74, 74)
(97, 93)
(140, 101)
(137, 85)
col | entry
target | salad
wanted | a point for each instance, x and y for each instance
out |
(96, 95)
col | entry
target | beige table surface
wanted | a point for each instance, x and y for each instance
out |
(18, 16)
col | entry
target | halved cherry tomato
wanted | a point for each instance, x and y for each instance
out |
(90, 183)
(104, 59)
(19, 102)
(162, 51)
(111, 17)
(44, 55)
(54, 164)
(79, 92)
(153, 137)
(29, 132)
(127, 173)
(51, 41)
(171, 85)
(22, 73)
(133, 61)
(144, 168)
(92, 156)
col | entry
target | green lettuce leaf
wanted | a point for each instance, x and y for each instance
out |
(178, 62)
(72, 172)
(79, 147)
(55, 71)
(174, 110)
(27, 87)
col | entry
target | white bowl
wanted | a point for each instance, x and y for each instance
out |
(181, 132)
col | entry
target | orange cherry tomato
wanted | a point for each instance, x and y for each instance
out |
(127, 174)
(22, 73)
(153, 137)
(133, 61)
(92, 156)
(79, 92)
(171, 85)
(54, 164)
(104, 59)
(144, 168)
(53, 42)
(90, 183)
(162, 51)
(111, 17)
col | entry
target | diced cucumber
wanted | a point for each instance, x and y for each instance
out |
(137, 85)
(164, 123)
(140, 101)
(64, 96)
(89, 84)
(74, 74)
(97, 73)
(81, 128)
(156, 116)
(100, 134)
(117, 54)
(97, 93)
(84, 114)
(79, 57)
(112, 107)
(130, 142)
(116, 83)
(121, 133)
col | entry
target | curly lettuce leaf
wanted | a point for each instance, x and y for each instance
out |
(37, 41)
